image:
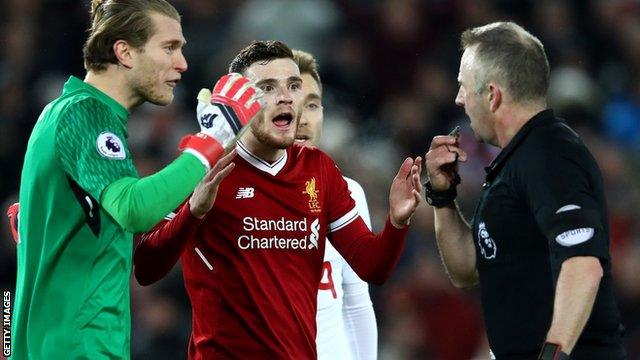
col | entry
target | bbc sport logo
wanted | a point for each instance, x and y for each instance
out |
(6, 323)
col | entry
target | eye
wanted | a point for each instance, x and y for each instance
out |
(169, 49)
(312, 106)
(267, 88)
(295, 86)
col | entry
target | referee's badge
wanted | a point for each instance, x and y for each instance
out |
(574, 236)
(488, 247)
(110, 146)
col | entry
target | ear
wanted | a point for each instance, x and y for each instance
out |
(124, 53)
(495, 97)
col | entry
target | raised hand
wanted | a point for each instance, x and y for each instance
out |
(442, 161)
(226, 110)
(222, 114)
(404, 195)
(204, 195)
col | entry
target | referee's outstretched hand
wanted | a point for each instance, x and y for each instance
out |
(404, 195)
(441, 161)
(204, 195)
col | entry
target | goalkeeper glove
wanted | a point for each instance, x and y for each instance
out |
(12, 213)
(222, 115)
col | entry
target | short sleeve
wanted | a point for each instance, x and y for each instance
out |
(342, 208)
(560, 188)
(91, 146)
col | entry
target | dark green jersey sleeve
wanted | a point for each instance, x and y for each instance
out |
(91, 146)
(92, 149)
(138, 204)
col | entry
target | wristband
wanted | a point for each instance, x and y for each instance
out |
(551, 351)
(206, 148)
(440, 199)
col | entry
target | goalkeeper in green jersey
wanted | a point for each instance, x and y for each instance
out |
(80, 195)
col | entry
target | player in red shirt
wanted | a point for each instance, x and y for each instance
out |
(252, 260)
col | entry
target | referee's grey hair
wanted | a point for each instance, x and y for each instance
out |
(510, 56)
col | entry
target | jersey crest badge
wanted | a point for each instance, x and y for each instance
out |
(110, 146)
(487, 246)
(312, 192)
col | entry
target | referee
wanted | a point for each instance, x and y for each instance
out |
(538, 243)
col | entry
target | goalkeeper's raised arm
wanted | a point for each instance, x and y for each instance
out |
(138, 204)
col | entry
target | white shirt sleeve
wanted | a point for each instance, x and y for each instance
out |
(360, 321)
(357, 309)
(361, 201)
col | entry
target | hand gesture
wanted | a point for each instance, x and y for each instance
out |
(441, 162)
(404, 195)
(225, 111)
(204, 195)
(222, 114)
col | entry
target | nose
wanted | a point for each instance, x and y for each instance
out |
(284, 96)
(303, 120)
(460, 98)
(180, 63)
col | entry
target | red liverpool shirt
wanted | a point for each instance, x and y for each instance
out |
(252, 265)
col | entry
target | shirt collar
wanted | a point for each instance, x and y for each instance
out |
(540, 119)
(271, 168)
(75, 84)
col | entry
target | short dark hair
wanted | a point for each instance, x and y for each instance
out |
(512, 57)
(113, 20)
(263, 51)
(307, 65)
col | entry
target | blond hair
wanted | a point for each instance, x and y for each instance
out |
(307, 65)
(113, 20)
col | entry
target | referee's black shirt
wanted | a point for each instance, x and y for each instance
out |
(542, 203)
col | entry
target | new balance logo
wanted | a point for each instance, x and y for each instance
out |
(245, 193)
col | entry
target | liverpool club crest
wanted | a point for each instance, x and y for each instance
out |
(312, 192)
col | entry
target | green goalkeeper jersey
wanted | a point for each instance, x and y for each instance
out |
(74, 259)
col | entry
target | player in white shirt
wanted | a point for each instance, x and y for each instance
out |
(345, 319)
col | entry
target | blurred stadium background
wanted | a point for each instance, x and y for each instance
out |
(389, 69)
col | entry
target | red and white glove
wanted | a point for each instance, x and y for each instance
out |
(12, 213)
(222, 115)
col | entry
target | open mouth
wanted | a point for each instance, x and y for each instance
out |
(302, 138)
(283, 120)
